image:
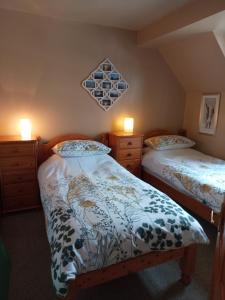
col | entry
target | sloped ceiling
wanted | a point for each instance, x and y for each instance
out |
(192, 41)
(220, 37)
(197, 61)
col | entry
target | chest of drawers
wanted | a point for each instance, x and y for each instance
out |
(127, 150)
(18, 171)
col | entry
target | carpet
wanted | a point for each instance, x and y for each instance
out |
(25, 238)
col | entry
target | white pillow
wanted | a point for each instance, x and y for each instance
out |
(72, 148)
(166, 142)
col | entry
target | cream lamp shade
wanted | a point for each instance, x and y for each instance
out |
(128, 125)
(25, 129)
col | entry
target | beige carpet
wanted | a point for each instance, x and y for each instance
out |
(24, 236)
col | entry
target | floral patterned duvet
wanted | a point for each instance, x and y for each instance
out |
(190, 171)
(98, 214)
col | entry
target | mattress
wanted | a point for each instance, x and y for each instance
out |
(99, 214)
(191, 172)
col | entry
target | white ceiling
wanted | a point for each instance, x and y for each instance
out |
(127, 14)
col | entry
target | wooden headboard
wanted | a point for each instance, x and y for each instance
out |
(157, 132)
(45, 150)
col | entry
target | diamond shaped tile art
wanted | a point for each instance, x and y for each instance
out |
(105, 84)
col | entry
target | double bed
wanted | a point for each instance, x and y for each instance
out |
(102, 222)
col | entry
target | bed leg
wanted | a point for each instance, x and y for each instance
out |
(187, 264)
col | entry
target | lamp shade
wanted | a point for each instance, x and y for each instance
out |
(25, 129)
(128, 125)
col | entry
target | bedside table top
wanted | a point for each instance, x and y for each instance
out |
(126, 134)
(15, 138)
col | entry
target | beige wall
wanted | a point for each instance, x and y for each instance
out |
(43, 62)
(210, 144)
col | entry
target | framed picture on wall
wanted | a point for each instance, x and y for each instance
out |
(105, 84)
(209, 113)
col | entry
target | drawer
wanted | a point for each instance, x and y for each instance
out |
(130, 164)
(14, 163)
(129, 154)
(20, 203)
(20, 189)
(17, 149)
(13, 177)
(134, 166)
(130, 142)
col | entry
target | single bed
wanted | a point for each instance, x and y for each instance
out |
(102, 222)
(191, 178)
(197, 182)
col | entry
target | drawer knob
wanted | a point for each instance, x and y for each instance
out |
(129, 144)
(129, 154)
(128, 166)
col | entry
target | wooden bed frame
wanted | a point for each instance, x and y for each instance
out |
(217, 291)
(186, 255)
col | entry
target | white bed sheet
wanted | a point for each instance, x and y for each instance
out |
(189, 171)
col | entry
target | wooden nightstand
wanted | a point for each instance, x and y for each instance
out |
(18, 170)
(127, 150)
